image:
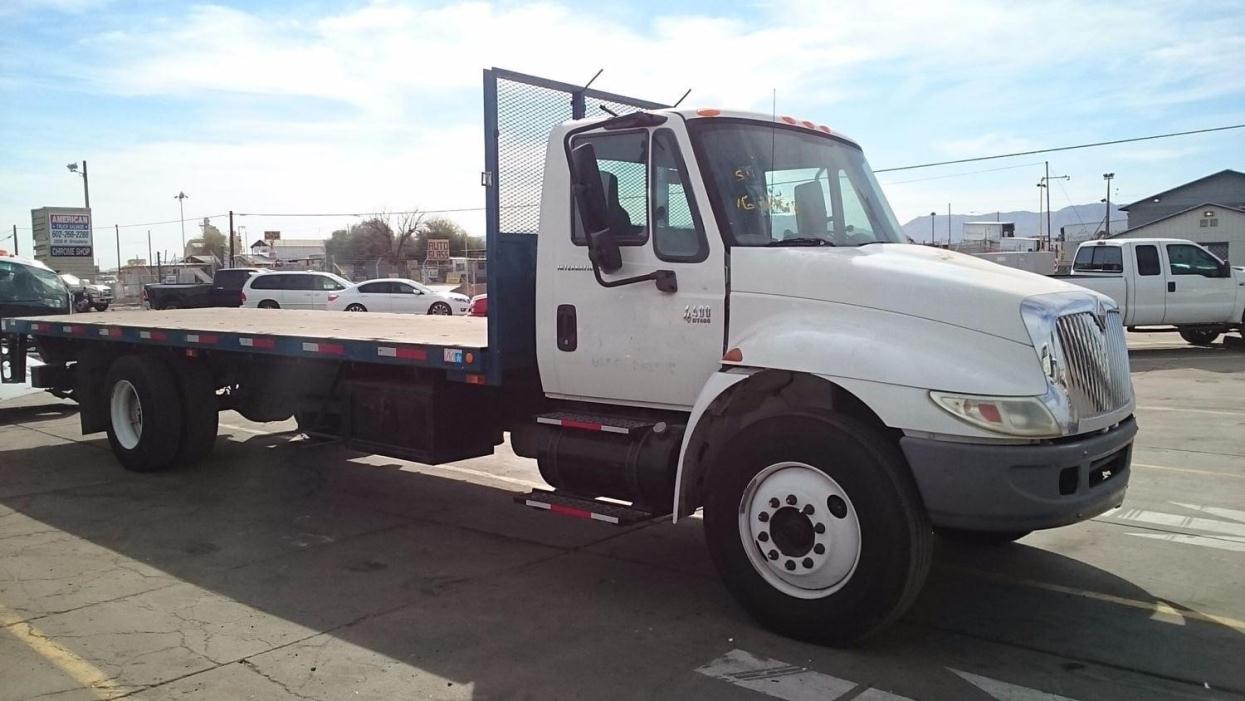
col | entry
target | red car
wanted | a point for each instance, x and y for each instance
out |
(479, 306)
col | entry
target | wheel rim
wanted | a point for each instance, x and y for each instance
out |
(127, 414)
(800, 530)
(441, 309)
(354, 308)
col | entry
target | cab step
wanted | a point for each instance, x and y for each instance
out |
(589, 422)
(583, 507)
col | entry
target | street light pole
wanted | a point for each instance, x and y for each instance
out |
(932, 240)
(86, 187)
(181, 208)
(1107, 216)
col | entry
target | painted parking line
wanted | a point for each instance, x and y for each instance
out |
(1214, 412)
(794, 683)
(88, 675)
(1190, 470)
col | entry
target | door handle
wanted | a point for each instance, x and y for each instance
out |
(1171, 287)
(567, 328)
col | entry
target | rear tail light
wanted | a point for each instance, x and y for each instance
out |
(243, 296)
(333, 296)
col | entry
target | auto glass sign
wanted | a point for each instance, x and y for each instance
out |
(69, 235)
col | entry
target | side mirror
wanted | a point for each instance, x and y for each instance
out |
(589, 193)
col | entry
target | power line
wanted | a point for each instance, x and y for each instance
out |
(957, 175)
(1061, 148)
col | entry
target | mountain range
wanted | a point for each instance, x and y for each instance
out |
(1026, 222)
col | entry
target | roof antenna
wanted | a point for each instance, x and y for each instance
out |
(594, 78)
(681, 99)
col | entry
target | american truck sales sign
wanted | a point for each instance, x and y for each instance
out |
(69, 235)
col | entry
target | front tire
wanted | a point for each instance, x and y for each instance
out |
(1199, 337)
(440, 309)
(817, 528)
(144, 413)
(103, 306)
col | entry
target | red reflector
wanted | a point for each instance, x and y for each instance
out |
(581, 425)
(268, 343)
(413, 353)
(568, 511)
(332, 348)
(990, 413)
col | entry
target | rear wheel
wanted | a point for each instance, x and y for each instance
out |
(269, 304)
(1199, 337)
(440, 309)
(817, 528)
(102, 306)
(144, 413)
(356, 307)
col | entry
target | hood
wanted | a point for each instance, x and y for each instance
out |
(922, 281)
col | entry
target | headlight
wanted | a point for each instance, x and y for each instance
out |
(1014, 416)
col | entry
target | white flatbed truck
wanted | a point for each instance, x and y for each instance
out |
(720, 314)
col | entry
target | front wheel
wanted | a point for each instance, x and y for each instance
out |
(440, 309)
(817, 528)
(102, 306)
(1199, 337)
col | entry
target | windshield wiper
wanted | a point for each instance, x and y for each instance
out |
(801, 241)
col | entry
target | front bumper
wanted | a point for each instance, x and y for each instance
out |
(1021, 487)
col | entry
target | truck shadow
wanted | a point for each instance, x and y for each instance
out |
(1215, 358)
(36, 412)
(458, 583)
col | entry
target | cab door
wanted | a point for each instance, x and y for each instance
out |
(1149, 300)
(1198, 291)
(635, 344)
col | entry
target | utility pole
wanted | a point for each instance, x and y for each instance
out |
(231, 238)
(86, 186)
(181, 208)
(948, 225)
(1046, 185)
(1107, 216)
(1039, 231)
(149, 247)
(117, 230)
(15, 251)
(932, 240)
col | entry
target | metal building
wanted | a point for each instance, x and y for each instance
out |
(1209, 211)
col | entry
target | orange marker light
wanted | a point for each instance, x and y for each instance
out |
(733, 355)
(788, 120)
(824, 128)
(808, 125)
(708, 112)
(475, 379)
(470, 358)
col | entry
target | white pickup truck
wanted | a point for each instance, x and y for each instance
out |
(1164, 282)
(721, 314)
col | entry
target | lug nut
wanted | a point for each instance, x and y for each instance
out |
(808, 563)
(808, 509)
(790, 564)
(763, 516)
(837, 506)
(791, 499)
(773, 554)
(818, 548)
(820, 528)
(773, 503)
(763, 537)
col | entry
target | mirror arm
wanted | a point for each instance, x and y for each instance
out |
(666, 280)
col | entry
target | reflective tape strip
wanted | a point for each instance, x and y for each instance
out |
(202, 338)
(267, 343)
(582, 425)
(402, 352)
(570, 511)
(326, 348)
(153, 335)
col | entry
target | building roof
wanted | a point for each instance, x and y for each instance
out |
(1176, 214)
(1178, 187)
(259, 243)
(281, 243)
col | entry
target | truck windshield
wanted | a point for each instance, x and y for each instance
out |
(780, 186)
(26, 284)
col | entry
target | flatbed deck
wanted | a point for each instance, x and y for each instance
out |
(458, 344)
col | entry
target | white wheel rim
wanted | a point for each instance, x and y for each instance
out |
(800, 530)
(127, 414)
(441, 309)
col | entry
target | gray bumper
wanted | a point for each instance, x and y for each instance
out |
(1021, 487)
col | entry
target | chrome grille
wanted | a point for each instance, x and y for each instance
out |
(1095, 360)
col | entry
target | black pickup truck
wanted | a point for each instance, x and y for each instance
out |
(225, 290)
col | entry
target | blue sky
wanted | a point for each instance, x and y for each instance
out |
(331, 107)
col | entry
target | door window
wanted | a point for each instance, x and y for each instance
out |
(1191, 260)
(623, 161)
(404, 289)
(266, 282)
(1148, 260)
(298, 282)
(375, 288)
(1099, 259)
(324, 283)
(678, 234)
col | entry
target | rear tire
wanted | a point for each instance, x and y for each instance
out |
(269, 304)
(1199, 337)
(200, 412)
(356, 307)
(440, 309)
(989, 539)
(851, 553)
(101, 307)
(144, 413)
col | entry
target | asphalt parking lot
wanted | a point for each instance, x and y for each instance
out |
(288, 568)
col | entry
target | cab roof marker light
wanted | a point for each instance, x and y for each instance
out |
(808, 125)
(824, 128)
(788, 120)
(708, 112)
(733, 355)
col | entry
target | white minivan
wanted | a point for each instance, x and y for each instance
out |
(304, 289)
